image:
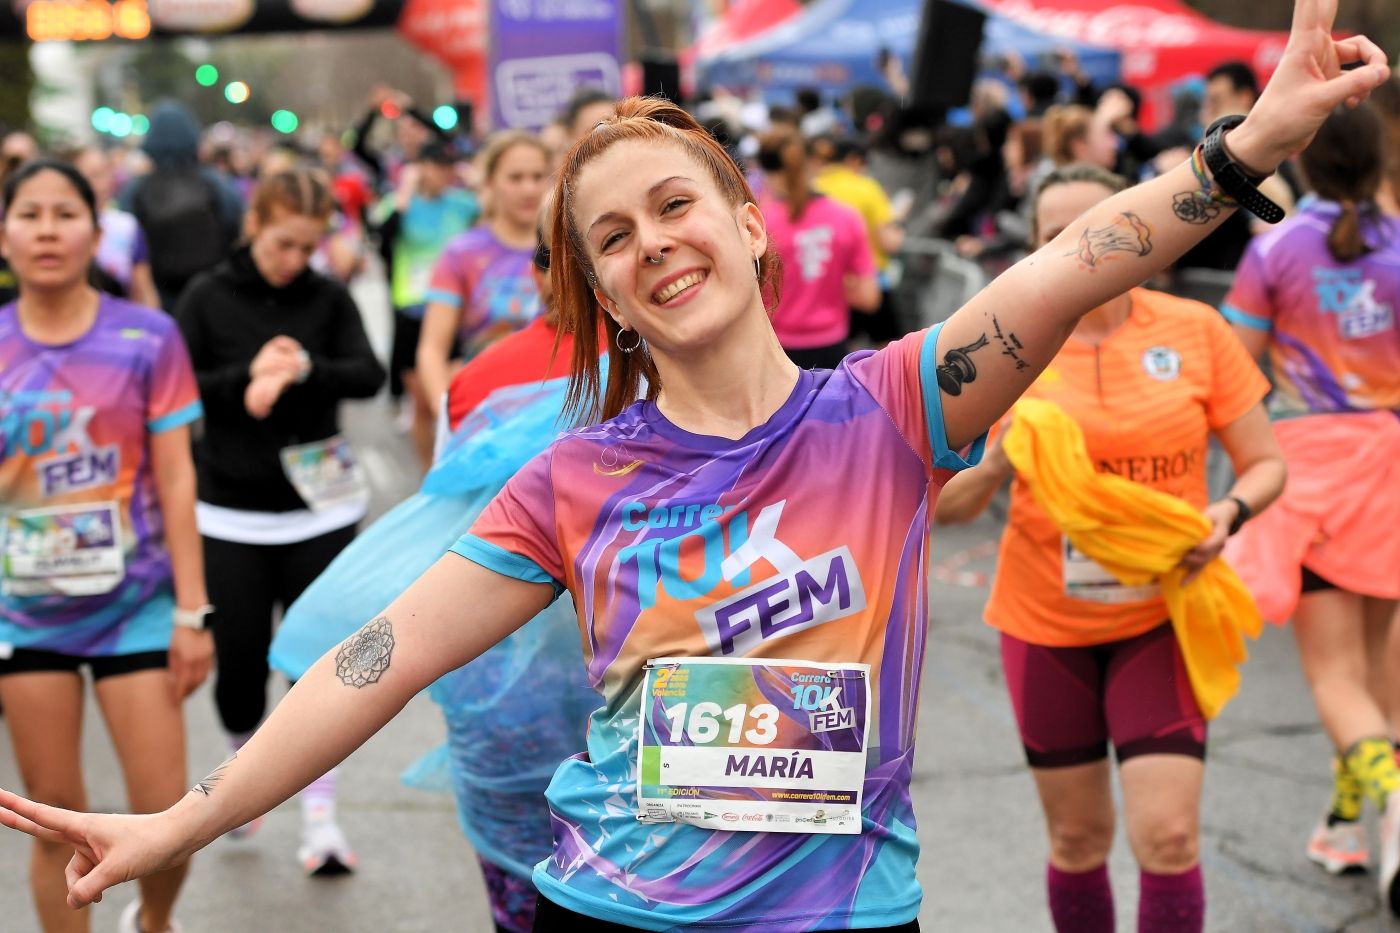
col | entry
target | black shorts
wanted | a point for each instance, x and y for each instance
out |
(403, 352)
(551, 918)
(1315, 583)
(33, 661)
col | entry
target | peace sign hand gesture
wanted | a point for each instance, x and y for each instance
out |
(109, 848)
(1309, 84)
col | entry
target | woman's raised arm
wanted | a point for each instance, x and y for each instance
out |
(995, 346)
(453, 613)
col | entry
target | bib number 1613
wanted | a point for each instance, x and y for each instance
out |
(702, 722)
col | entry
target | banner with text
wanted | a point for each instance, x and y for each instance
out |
(543, 51)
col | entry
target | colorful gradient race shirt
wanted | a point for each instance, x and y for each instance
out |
(76, 421)
(1333, 343)
(805, 539)
(490, 283)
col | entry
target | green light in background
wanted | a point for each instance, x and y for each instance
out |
(140, 124)
(102, 119)
(284, 121)
(121, 125)
(237, 92)
(207, 75)
(445, 117)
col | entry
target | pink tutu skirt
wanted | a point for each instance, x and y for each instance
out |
(1339, 514)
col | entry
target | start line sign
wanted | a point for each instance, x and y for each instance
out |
(544, 51)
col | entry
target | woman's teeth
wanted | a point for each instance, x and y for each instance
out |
(678, 286)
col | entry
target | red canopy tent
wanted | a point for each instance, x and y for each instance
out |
(1162, 41)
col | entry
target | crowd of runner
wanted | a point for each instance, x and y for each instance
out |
(708, 308)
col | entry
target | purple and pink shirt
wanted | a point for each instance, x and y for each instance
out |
(676, 544)
(77, 420)
(490, 283)
(1333, 342)
(826, 244)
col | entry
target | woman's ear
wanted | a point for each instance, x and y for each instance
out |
(608, 306)
(754, 228)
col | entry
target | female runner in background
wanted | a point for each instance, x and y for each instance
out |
(99, 477)
(1148, 377)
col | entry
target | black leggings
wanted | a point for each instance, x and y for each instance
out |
(246, 582)
(551, 918)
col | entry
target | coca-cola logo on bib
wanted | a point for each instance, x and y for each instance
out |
(332, 11)
(200, 15)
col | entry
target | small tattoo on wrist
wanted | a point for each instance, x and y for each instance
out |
(214, 777)
(365, 656)
(1195, 208)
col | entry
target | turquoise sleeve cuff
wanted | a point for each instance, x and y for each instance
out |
(943, 456)
(506, 563)
(1244, 319)
(177, 418)
(443, 296)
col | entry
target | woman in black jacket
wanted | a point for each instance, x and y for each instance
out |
(276, 347)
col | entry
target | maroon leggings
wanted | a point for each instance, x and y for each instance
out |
(1070, 702)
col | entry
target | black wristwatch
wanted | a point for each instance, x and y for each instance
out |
(1241, 516)
(1231, 177)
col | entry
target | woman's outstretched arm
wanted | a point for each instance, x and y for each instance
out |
(995, 346)
(452, 614)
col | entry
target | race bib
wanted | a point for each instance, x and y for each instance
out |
(1085, 579)
(71, 550)
(325, 473)
(763, 746)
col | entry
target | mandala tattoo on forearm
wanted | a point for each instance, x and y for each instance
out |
(957, 367)
(209, 783)
(364, 657)
(1128, 234)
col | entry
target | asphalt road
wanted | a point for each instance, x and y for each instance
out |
(982, 866)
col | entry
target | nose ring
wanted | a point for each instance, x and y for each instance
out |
(658, 260)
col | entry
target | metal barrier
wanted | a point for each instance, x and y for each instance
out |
(935, 281)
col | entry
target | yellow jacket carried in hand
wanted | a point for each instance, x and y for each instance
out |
(1139, 535)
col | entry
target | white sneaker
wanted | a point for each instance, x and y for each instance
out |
(324, 850)
(246, 831)
(1340, 849)
(1390, 853)
(130, 921)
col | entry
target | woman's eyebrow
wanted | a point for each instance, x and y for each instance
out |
(651, 192)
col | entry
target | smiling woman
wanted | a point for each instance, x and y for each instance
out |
(693, 633)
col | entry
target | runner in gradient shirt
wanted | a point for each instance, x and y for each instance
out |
(1320, 293)
(760, 465)
(97, 487)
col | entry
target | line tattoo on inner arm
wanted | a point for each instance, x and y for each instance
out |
(1009, 344)
(957, 367)
(364, 657)
(212, 780)
(1129, 233)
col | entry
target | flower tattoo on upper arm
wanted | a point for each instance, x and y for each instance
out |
(364, 657)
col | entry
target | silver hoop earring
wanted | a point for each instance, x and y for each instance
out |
(757, 269)
(618, 340)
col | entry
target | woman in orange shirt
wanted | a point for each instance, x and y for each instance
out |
(1088, 660)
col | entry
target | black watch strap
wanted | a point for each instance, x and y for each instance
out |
(1233, 180)
(1241, 516)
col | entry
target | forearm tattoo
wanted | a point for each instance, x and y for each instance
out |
(209, 783)
(957, 367)
(1205, 203)
(1010, 346)
(1129, 233)
(364, 657)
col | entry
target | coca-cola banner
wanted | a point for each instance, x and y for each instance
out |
(46, 19)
